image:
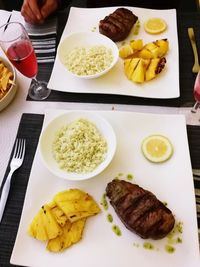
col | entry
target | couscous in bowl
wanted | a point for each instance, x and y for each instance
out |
(87, 55)
(77, 145)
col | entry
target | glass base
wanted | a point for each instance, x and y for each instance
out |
(192, 118)
(38, 90)
(195, 107)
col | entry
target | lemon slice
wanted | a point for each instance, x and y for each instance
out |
(155, 25)
(157, 148)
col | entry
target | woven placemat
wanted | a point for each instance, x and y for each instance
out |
(29, 128)
(186, 99)
(43, 39)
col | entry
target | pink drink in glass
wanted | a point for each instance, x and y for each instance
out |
(22, 55)
(14, 40)
(197, 88)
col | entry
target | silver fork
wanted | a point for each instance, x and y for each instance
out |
(16, 162)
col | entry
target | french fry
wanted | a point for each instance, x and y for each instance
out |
(6, 79)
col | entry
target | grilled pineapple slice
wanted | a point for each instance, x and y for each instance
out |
(61, 242)
(76, 204)
(129, 66)
(154, 49)
(125, 51)
(163, 45)
(72, 233)
(140, 70)
(146, 62)
(155, 67)
(58, 214)
(138, 75)
(44, 226)
(151, 71)
(61, 222)
(131, 49)
(151, 50)
(144, 53)
(136, 44)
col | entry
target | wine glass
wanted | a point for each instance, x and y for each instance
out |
(193, 115)
(196, 94)
(15, 42)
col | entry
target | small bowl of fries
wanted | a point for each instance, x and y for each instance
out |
(8, 85)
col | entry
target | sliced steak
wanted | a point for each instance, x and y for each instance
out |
(140, 210)
(118, 25)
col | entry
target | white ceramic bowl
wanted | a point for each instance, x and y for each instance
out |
(86, 40)
(12, 91)
(48, 135)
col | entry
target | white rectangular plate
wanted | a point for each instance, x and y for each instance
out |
(171, 181)
(166, 85)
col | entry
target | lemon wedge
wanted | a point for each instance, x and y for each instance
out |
(157, 148)
(155, 25)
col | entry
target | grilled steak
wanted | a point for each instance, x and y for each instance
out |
(117, 25)
(140, 210)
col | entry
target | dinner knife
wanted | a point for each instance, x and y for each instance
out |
(191, 35)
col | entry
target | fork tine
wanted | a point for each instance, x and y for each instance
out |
(19, 149)
(23, 148)
(16, 148)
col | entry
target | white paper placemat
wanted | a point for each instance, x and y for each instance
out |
(171, 182)
(166, 85)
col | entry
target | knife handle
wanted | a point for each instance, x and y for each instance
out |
(196, 66)
(4, 194)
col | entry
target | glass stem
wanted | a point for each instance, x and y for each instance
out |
(196, 106)
(34, 79)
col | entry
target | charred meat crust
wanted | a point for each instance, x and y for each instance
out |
(117, 25)
(140, 210)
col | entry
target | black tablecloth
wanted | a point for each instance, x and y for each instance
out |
(184, 20)
(30, 128)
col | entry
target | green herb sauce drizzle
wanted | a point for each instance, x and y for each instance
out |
(148, 245)
(116, 230)
(129, 177)
(136, 27)
(104, 202)
(94, 29)
(170, 249)
(109, 218)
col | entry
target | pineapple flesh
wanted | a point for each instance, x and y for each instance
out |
(144, 63)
